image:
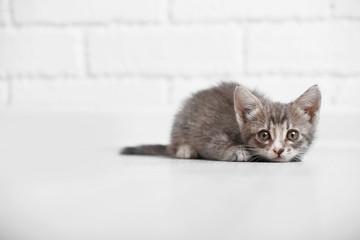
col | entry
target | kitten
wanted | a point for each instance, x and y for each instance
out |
(230, 123)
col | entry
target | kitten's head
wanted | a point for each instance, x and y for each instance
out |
(275, 131)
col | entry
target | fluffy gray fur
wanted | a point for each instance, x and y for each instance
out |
(227, 123)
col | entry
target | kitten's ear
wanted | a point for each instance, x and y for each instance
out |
(245, 104)
(309, 103)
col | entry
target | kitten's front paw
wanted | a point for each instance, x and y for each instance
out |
(242, 155)
(237, 154)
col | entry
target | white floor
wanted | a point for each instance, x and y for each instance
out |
(61, 178)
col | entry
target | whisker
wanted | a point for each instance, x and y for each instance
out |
(257, 158)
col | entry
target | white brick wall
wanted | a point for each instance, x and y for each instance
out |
(220, 10)
(37, 53)
(87, 11)
(347, 8)
(167, 50)
(148, 55)
(305, 48)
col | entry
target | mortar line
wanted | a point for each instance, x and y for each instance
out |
(9, 14)
(170, 17)
(332, 9)
(83, 55)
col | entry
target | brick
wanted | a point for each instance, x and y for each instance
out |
(87, 94)
(164, 50)
(85, 11)
(347, 8)
(305, 48)
(36, 52)
(190, 10)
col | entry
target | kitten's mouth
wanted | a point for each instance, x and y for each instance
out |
(278, 158)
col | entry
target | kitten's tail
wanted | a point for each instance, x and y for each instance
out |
(158, 149)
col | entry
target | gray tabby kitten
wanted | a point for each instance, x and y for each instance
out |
(230, 123)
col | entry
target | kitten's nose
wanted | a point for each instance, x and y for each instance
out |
(279, 152)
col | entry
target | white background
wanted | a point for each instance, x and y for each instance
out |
(135, 57)
(80, 78)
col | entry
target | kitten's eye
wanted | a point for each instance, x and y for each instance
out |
(263, 135)
(293, 135)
